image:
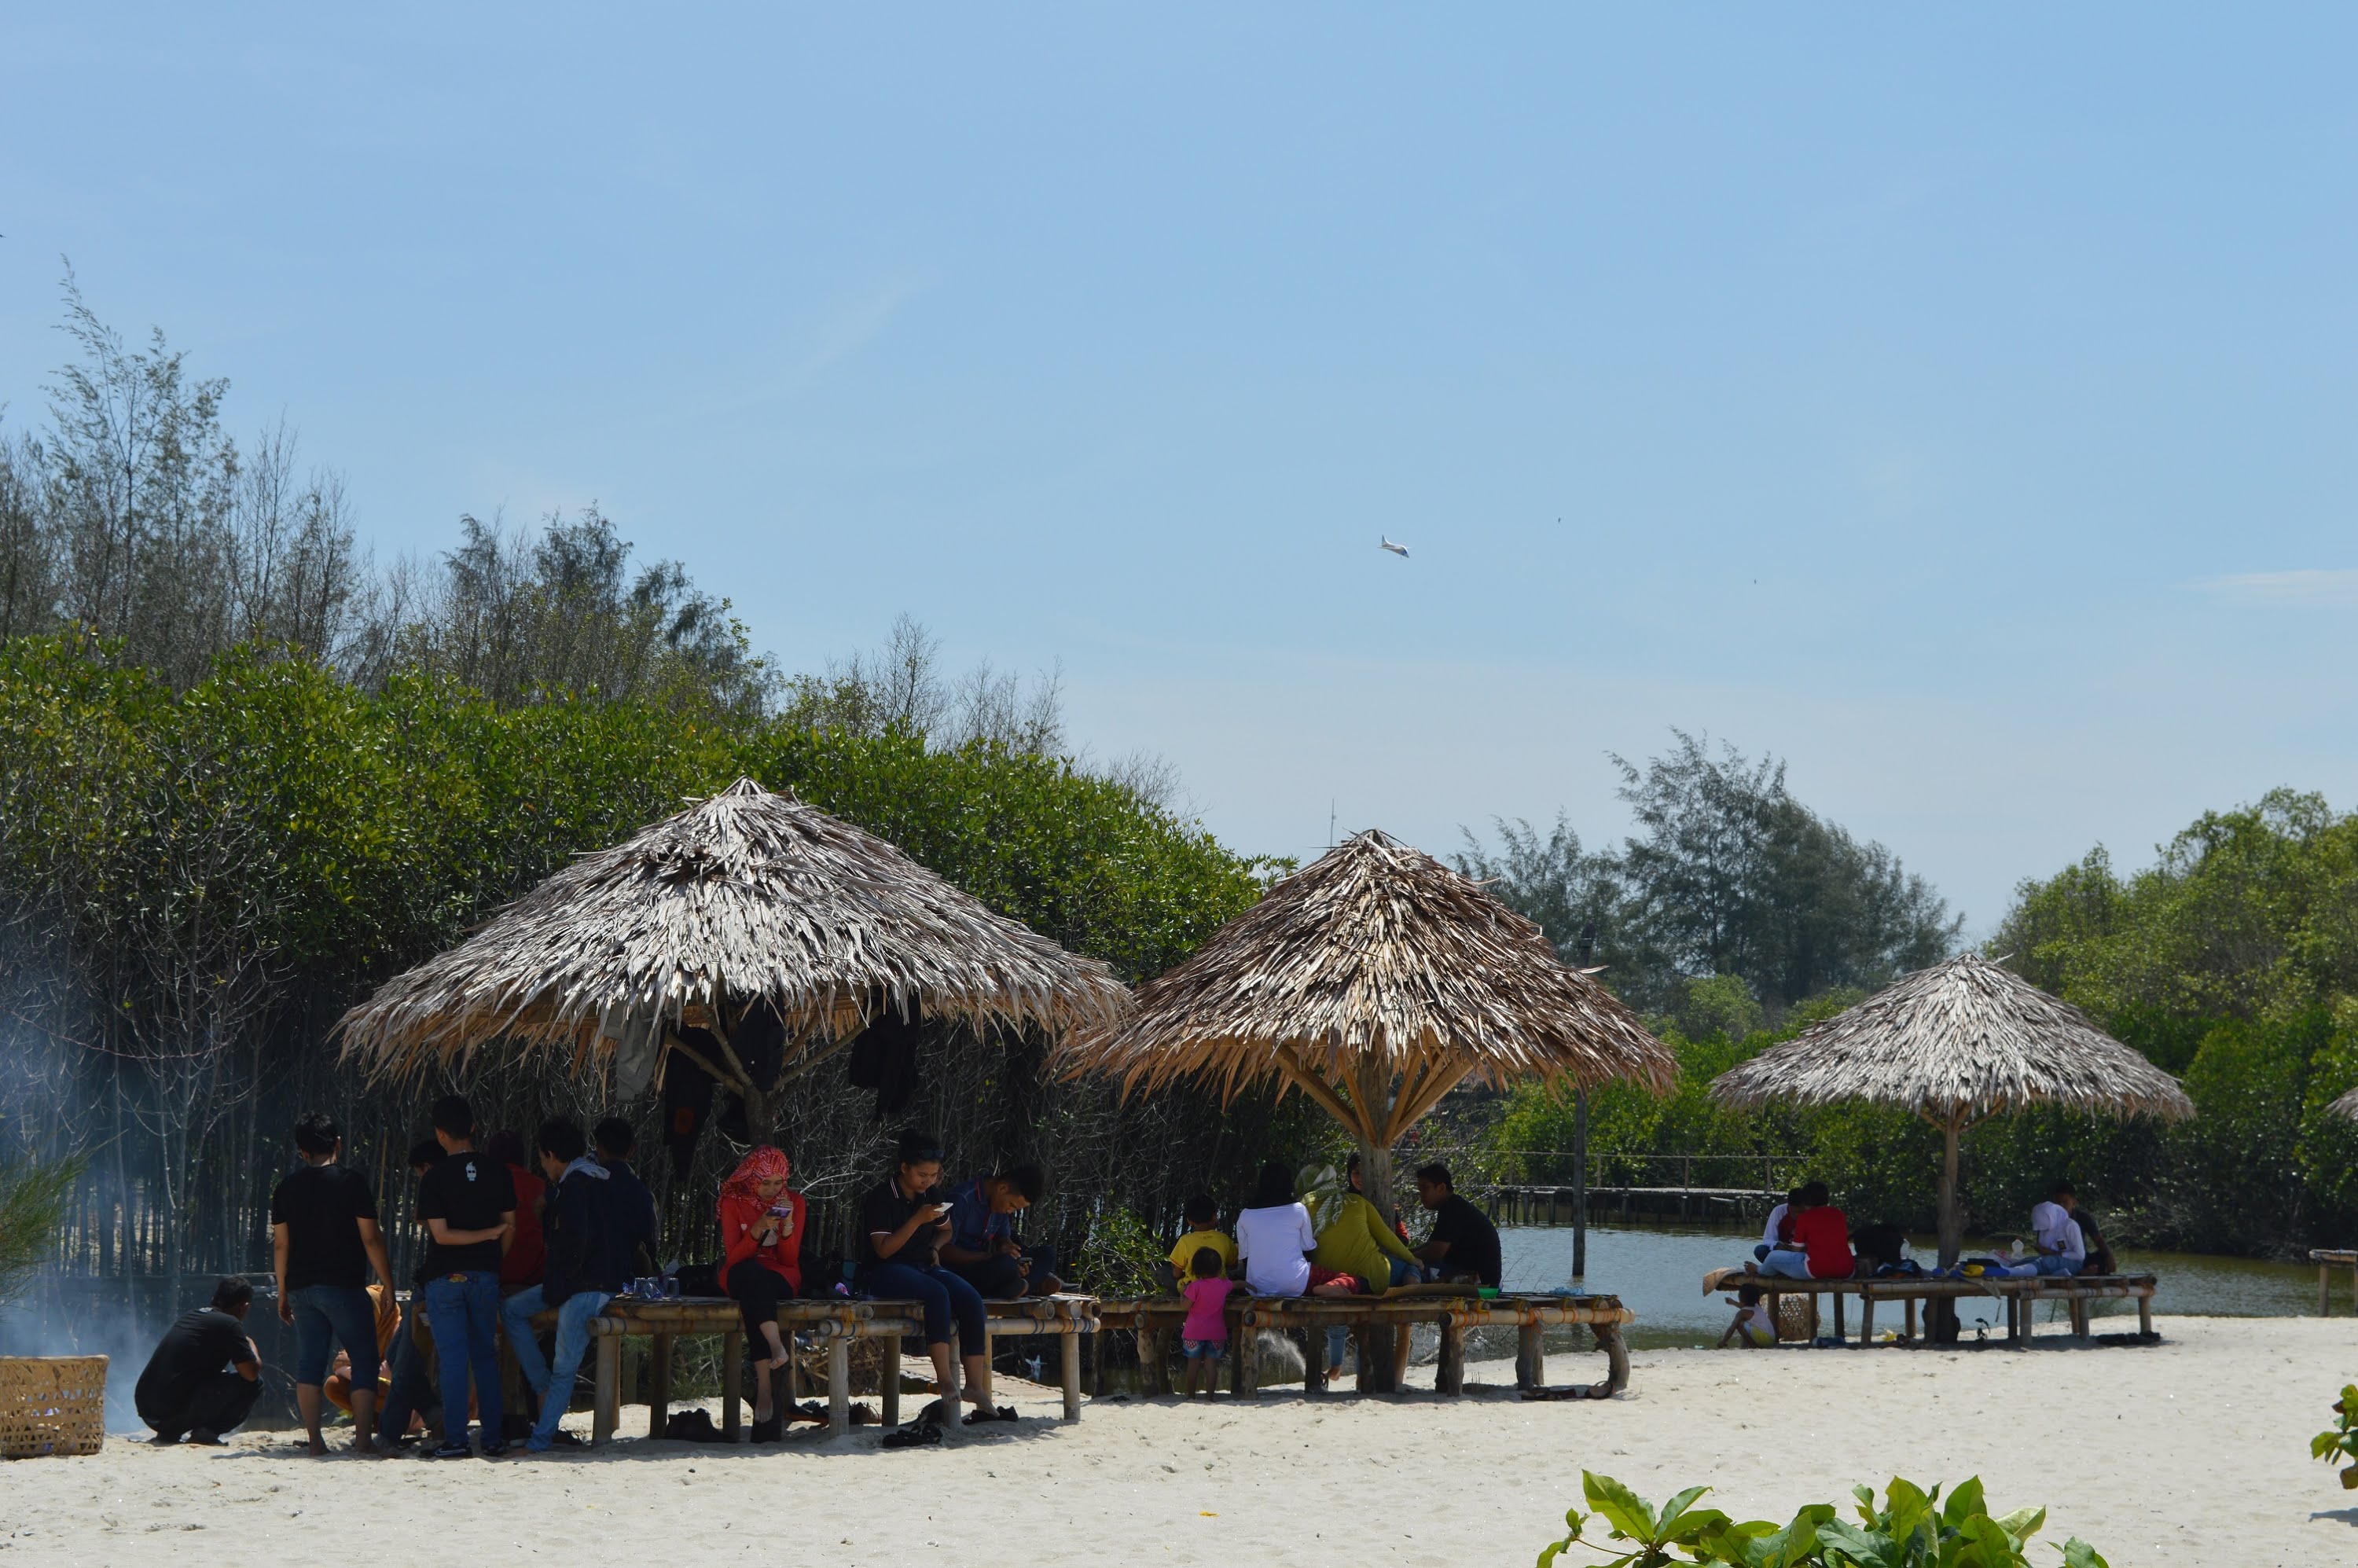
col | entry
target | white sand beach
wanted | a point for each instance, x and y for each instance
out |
(2194, 1451)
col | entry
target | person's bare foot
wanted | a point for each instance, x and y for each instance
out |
(366, 1448)
(316, 1447)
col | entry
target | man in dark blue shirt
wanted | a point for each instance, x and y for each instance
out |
(981, 1248)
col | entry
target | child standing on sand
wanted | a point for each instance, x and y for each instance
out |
(1205, 1336)
(1753, 1325)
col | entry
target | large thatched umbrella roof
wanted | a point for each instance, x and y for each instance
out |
(1955, 1043)
(747, 895)
(1374, 979)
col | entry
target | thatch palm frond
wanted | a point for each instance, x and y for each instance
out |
(2346, 1107)
(746, 895)
(1374, 966)
(1966, 1039)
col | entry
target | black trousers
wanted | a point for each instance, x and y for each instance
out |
(998, 1279)
(215, 1405)
(757, 1292)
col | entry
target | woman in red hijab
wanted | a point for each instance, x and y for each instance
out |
(761, 1242)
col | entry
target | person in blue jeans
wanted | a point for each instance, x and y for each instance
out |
(577, 1279)
(901, 1229)
(324, 1240)
(467, 1204)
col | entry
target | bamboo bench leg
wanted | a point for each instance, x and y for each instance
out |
(1866, 1320)
(2144, 1314)
(2026, 1308)
(1246, 1350)
(1530, 1358)
(1314, 1362)
(888, 1379)
(1841, 1333)
(1449, 1369)
(838, 1384)
(1072, 1376)
(1153, 1370)
(1911, 1319)
(1363, 1355)
(608, 1413)
(659, 1386)
(733, 1383)
(1616, 1361)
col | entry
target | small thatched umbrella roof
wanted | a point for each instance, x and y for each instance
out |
(2346, 1107)
(1956, 1042)
(747, 896)
(1375, 979)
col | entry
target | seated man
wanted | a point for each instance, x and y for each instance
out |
(1464, 1244)
(981, 1248)
(1821, 1241)
(2056, 1234)
(205, 1373)
(579, 1276)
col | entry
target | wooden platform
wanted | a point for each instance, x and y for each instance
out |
(2020, 1296)
(835, 1322)
(1455, 1309)
(2327, 1260)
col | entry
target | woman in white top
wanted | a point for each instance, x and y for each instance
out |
(1273, 1238)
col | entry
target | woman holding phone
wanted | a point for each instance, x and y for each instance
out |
(761, 1242)
(901, 1229)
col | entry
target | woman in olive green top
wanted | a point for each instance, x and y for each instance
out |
(1355, 1239)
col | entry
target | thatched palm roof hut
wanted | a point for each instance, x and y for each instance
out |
(1375, 979)
(748, 897)
(1954, 1044)
(2346, 1107)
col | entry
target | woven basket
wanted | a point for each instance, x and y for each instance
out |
(51, 1404)
(1797, 1319)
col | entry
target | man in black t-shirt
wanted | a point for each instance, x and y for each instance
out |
(1463, 1243)
(324, 1240)
(467, 1204)
(205, 1374)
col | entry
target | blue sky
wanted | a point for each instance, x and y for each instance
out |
(1958, 406)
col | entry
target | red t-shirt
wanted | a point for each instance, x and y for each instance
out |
(784, 1256)
(1825, 1235)
(527, 1254)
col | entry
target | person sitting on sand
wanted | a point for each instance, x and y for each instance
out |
(761, 1265)
(1464, 1244)
(1821, 1241)
(1355, 1239)
(982, 1248)
(902, 1228)
(1204, 1336)
(324, 1240)
(1275, 1242)
(581, 1274)
(205, 1373)
(1752, 1323)
(2056, 1234)
(387, 1313)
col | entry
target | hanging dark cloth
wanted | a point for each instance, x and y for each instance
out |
(884, 1058)
(686, 1107)
(760, 1042)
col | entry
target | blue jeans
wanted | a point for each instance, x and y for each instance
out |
(2056, 1263)
(343, 1313)
(553, 1384)
(463, 1310)
(944, 1296)
(412, 1391)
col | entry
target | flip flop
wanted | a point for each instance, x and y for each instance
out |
(921, 1435)
(991, 1412)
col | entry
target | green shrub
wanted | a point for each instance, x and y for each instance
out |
(2342, 1442)
(1912, 1529)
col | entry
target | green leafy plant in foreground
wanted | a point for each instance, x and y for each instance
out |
(1912, 1529)
(2342, 1442)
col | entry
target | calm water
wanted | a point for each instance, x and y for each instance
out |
(1658, 1274)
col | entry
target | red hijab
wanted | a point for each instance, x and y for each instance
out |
(761, 1163)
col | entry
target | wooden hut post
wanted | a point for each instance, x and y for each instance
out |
(1952, 1217)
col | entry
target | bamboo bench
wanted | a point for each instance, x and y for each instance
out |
(1157, 1321)
(2020, 1296)
(835, 1322)
(2327, 1260)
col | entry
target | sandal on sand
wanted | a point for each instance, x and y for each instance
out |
(990, 1412)
(921, 1435)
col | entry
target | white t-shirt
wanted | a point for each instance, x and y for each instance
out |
(1754, 1323)
(1775, 1218)
(2057, 1231)
(1271, 1244)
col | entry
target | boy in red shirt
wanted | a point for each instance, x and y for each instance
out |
(1821, 1248)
